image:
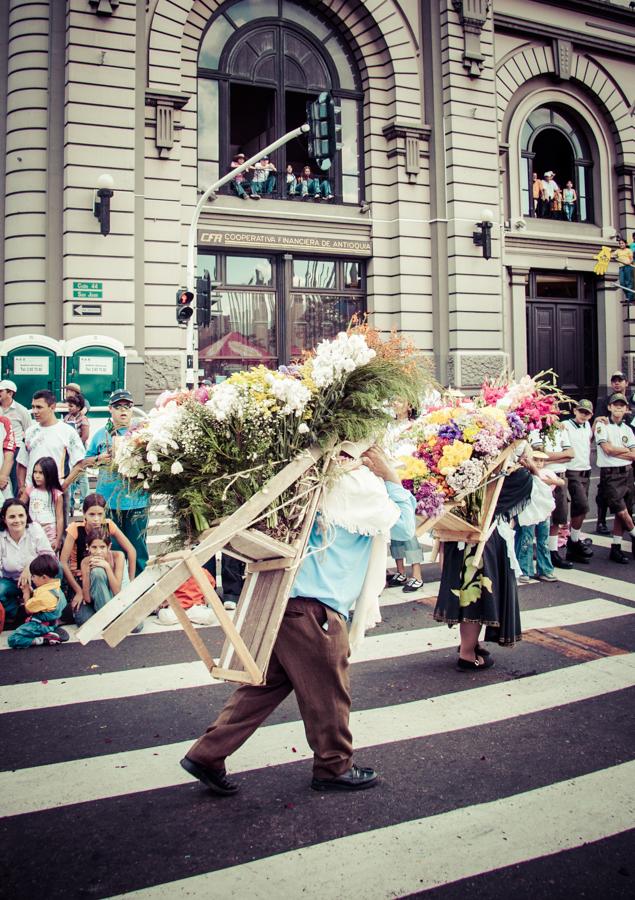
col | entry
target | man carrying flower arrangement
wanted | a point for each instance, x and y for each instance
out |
(311, 652)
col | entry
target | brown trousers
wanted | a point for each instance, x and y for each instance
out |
(306, 659)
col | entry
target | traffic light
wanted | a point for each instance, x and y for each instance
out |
(184, 306)
(203, 299)
(323, 119)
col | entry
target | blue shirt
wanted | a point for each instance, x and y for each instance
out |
(335, 576)
(109, 484)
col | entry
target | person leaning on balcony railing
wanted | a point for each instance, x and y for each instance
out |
(239, 183)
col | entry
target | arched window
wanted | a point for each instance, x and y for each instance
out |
(553, 140)
(259, 63)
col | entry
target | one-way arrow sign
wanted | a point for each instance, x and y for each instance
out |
(86, 309)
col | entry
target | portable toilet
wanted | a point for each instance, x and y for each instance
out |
(34, 363)
(98, 364)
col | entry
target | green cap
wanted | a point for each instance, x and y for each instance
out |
(618, 398)
(585, 405)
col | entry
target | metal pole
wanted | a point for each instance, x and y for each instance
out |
(191, 350)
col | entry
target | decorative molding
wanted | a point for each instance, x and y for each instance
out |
(407, 139)
(626, 184)
(473, 16)
(167, 120)
(563, 57)
(104, 7)
(470, 368)
(548, 31)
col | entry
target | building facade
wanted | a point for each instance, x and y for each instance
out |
(449, 109)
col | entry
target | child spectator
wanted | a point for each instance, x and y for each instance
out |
(103, 573)
(292, 181)
(44, 605)
(525, 534)
(76, 418)
(406, 553)
(75, 549)
(46, 500)
(239, 182)
(191, 598)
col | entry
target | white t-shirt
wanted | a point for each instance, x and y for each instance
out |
(620, 436)
(557, 444)
(580, 440)
(59, 441)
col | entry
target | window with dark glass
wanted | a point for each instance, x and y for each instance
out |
(553, 139)
(269, 309)
(260, 61)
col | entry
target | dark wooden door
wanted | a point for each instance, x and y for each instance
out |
(562, 331)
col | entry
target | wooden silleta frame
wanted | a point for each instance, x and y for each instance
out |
(270, 569)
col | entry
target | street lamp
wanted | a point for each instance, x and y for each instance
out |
(483, 236)
(101, 201)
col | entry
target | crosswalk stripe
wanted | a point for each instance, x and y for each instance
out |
(178, 676)
(421, 854)
(151, 768)
(591, 581)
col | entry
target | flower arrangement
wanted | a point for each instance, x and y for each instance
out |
(209, 450)
(456, 446)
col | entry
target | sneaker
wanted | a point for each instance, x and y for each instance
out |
(601, 528)
(617, 555)
(396, 580)
(329, 197)
(255, 196)
(230, 605)
(167, 616)
(317, 198)
(201, 615)
(558, 562)
(215, 779)
(551, 577)
(524, 579)
(62, 634)
(37, 641)
(412, 585)
(52, 638)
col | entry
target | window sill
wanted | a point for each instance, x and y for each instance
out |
(293, 210)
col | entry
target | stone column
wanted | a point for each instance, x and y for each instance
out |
(518, 309)
(25, 236)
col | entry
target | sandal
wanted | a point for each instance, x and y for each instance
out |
(396, 580)
(411, 585)
(476, 666)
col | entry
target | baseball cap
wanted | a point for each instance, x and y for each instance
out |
(618, 376)
(586, 405)
(120, 396)
(7, 385)
(618, 398)
(238, 155)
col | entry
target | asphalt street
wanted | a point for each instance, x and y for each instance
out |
(518, 781)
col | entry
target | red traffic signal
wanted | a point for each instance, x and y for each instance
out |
(184, 306)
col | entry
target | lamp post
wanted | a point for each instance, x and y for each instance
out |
(101, 201)
(191, 352)
(482, 237)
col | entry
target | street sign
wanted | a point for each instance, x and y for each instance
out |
(87, 309)
(88, 290)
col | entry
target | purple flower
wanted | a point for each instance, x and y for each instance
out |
(429, 500)
(516, 425)
(450, 431)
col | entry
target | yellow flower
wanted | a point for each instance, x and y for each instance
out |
(409, 468)
(453, 455)
(439, 416)
(471, 432)
(493, 412)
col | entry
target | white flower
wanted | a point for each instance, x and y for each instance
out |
(176, 468)
(291, 393)
(333, 359)
(303, 428)
(152, 458)
(225, 401)
(156, 467)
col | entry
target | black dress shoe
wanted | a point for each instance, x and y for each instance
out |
(559, 562)
(215, 779)
(467, 665)
(601, 528)
(578, 552)
(356, 778)
(617, 555)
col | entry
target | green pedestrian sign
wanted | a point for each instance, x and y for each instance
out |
(88, 290)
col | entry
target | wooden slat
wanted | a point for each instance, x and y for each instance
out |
(191, 632)
(137, 588)
(257, 545)
(226, 623)
(230, 675)
(268, 565)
